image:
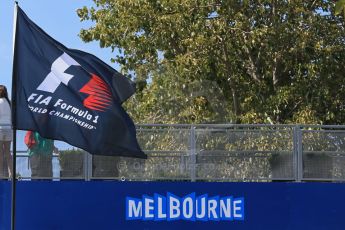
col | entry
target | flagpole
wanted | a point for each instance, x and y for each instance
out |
(14, 124)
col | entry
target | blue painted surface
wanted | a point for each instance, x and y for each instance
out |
(100, 205)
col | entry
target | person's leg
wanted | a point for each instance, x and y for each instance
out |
(2, 169)
(47, 166)
(8, 157)
(35, 165)
(50, 166)
(41, 166)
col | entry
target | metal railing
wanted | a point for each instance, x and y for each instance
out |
(212, 153)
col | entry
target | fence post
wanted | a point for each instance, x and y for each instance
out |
(295, 153)
(299, 153)
(87, 166)
(192, 154)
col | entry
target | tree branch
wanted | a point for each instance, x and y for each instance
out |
(235, 102)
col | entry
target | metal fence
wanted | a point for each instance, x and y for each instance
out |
(209, 153)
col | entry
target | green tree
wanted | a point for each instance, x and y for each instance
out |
(272, 61)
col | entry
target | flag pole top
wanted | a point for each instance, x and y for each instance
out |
(16, 2)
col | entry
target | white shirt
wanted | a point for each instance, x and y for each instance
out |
(5, 114)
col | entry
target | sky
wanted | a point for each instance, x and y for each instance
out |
(60, 20)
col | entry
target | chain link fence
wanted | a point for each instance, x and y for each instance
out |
(206, 153)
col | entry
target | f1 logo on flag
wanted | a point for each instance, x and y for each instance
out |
(99, 94)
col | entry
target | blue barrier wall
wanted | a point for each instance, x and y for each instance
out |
(65, 205)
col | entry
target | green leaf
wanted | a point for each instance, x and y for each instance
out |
(339, 7)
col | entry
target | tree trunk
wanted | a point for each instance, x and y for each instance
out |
(235, 99)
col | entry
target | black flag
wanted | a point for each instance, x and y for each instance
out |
(70, 95)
